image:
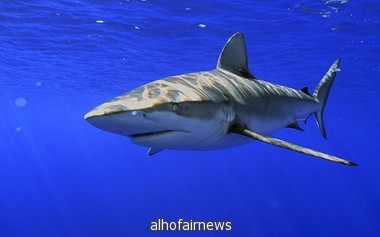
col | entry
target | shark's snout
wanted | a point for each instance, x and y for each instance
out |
(106, 109)
(115, 118)
(92, 114)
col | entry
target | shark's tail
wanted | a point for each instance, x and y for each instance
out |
(322, 92)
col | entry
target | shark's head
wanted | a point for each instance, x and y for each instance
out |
(186, 112)
(161, 116)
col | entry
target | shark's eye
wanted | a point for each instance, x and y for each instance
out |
(176, 107)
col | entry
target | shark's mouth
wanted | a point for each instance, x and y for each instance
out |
(151, 133)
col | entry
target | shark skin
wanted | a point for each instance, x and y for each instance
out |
(215, 109)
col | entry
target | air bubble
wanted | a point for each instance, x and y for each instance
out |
(21, 102)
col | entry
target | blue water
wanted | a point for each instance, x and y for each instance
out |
(60, 176)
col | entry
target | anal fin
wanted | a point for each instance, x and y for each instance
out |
(287, 145)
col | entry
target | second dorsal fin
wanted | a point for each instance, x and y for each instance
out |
(306, 91)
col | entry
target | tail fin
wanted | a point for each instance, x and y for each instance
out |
(322, 92)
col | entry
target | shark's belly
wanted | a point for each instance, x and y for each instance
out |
(216, 142)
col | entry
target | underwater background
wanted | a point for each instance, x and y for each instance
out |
(60, 176)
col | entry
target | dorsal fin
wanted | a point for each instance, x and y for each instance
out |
(233, 57)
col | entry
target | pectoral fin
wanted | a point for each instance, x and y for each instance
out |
(287, 145)
(154, 150)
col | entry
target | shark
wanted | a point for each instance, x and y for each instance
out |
(216, 109)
